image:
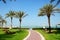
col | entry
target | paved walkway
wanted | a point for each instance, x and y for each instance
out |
(33, 35)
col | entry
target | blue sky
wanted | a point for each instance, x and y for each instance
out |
(30, 7)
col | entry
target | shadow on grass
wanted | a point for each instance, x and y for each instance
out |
(57, 32)
(53, 32)
(5, 36)
(20, 31)
(58, 38)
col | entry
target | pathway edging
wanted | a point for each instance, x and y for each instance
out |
(42, 38)
(27, 35)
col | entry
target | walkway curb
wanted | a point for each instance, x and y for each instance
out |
(27, 36)
(42, 38)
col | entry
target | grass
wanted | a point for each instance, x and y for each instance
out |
(51, 36)
(19, 35)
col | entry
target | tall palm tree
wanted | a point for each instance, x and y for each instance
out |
(20, 15)
(11, 15)
(58, 1)
(47, 10)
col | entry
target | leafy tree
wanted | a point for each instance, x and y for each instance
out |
(11, 15)
(48, 10)
(20, 15)
(2, 21)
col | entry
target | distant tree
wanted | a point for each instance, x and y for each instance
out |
(0, 20)
(11, 15)
(48, 10)
(58, 1)
(0, 17)
(3, 21)
(20, 15)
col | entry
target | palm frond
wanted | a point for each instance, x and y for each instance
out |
(52, 1)
(10, 14)
(46, 10)
(20, 14)
(4, 21)
(4, 1)
(25, 15)
(7, 15)
(42, 13)
(57, 3)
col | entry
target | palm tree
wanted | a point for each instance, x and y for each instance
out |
(0, 20)
(48, 10)
(20, 15)
(11, 15)
(0, 17)
(56, 3)
(3, 21)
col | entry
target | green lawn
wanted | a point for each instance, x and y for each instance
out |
(19, 35)
(51, 36)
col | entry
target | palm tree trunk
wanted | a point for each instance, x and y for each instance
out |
(20, 24)
(11, 22)
(49, 24)
(2, 24)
